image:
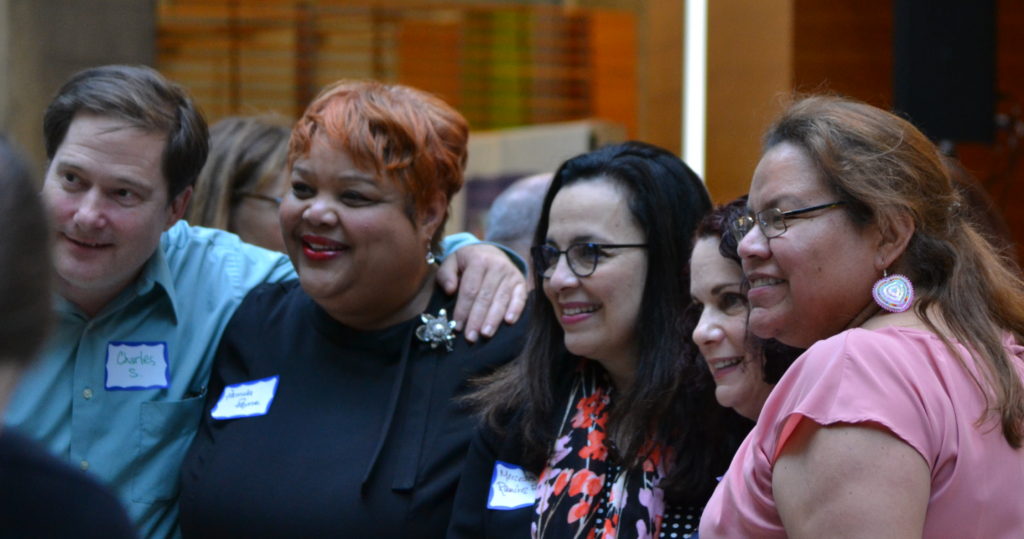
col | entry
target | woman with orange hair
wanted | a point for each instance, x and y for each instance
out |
(331, 408)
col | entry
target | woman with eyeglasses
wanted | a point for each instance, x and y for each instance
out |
(905, 418)
(606, 424)
(242, 182)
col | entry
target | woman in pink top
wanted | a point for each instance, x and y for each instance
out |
(906, 416)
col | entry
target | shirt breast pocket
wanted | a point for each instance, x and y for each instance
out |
(166, 429)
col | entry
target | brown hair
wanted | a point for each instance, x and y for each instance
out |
(402, 133)
(882, 166)
(142, 97)
(246, 154)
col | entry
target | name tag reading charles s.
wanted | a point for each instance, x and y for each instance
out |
(137, 365)
(511, 487)
(247, 399)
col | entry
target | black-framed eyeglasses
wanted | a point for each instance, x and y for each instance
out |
(772, 221)
(582, 257)
(249, 194)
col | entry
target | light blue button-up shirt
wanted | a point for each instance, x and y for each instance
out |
(134, 440)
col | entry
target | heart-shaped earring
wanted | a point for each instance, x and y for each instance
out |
(894, 293)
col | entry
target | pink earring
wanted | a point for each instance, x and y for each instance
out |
(893, 293)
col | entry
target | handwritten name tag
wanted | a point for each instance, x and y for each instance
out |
(246, 399)
(137, 365)
(511, 487)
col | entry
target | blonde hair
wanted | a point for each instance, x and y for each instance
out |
(246, 155)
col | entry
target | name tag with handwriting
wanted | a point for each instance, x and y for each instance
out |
(511, 487)
(247, 399)
(137, 365)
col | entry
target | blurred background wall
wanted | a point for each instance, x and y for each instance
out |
(614, 65)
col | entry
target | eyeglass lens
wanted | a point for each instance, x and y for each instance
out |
(582, 259)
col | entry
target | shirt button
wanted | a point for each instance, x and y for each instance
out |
(85, 465)
(87, 393)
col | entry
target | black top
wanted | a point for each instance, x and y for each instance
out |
(43, 497)
(363, 437)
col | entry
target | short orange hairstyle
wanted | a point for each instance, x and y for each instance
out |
(402, 133)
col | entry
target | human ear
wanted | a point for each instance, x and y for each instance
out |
(432, 216)
(178, 207)
(894, 236)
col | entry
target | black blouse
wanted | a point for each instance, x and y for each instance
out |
(364, 437)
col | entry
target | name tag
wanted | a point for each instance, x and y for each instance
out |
(247, 399)
(137, 365)
(511, 487)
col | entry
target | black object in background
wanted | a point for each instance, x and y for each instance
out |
(944, 67)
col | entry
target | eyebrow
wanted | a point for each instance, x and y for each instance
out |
(575, 239)
(347, 176)
(143, 187)
(717, 289)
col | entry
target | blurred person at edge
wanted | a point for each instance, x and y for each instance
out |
(332, 403)
(512, 218)
(41, 496)
(905, 416)
(745, 368)
(241, 186)
(142, 298)
(606, 425)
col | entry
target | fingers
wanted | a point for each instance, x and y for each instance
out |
(448, 275)
(517, 303)
(469, 286)
(489, 306)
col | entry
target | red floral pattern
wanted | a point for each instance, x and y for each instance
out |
(581, 494)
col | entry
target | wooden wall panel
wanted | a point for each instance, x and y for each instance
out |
(845, 47)
(749, 68)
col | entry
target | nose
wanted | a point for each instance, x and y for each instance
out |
(753, 244)
(707, 332)
(90, 213)
(563, 277)
(320, 212)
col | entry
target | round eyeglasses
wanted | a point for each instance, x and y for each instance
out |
(581, 257)
(772, 221)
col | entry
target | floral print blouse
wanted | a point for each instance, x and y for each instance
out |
(585, 493)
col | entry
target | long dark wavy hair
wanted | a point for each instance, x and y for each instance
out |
(671, 401)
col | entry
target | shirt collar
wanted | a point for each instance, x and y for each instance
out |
(154, 278)
(156, 274)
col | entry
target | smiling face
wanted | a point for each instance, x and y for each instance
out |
(721, 333)
(598, 313)
(350, 237)
(814, 280)
(108, 199)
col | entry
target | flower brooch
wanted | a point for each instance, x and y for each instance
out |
(437, 330)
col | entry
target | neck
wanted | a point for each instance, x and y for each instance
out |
(621, 371)
(90, 302)
(370, 319)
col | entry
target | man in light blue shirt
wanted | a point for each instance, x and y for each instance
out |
(144, 297)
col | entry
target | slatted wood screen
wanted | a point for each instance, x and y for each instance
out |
(499, 65)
